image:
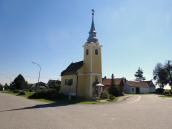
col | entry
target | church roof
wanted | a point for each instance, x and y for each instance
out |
(72, 68)
(92, 33)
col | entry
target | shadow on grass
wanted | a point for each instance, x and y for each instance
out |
(42, 106)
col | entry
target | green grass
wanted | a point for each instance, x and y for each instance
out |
(88, 102)
(10, 92)
(166, 96)
(27, 94)
(45, 101)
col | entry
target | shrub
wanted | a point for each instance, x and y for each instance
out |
(54, 84)
(111, 97)
(50, 94)
(104, 95)
(1, 88)
(113, 91)
(167, 92)
(159, 90)
(15, 91)
(62, 96)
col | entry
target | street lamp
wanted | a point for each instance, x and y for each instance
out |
(39, 70)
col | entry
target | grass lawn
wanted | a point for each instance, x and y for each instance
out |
(166, 96)
(27, 93)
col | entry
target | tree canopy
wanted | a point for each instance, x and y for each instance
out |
(19, 83)
(1, 87)
(163, 74)
(139, 75)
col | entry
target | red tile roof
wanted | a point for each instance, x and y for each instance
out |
(117, 81)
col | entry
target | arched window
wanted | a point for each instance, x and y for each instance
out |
(86, 51)
(96, 51)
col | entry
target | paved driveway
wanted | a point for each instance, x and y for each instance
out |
(137, 112)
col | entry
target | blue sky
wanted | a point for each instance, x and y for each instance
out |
(134, 33)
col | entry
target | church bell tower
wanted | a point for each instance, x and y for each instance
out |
(92, 60)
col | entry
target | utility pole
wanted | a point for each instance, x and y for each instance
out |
(39, 70)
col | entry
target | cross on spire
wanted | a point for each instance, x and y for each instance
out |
(93, 12)
(92, 32)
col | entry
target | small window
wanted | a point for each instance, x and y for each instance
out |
(70, 82)
(66, 82)
(96, 52)
(86, 51)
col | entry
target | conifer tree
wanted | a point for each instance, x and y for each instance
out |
(139, 75)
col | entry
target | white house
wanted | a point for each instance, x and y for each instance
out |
(139, 87)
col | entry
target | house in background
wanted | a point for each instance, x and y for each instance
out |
(119, 82)
(137, 87)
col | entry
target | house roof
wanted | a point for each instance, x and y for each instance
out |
(117, 81)
(72, 68)
(150, 83)
(137, 83)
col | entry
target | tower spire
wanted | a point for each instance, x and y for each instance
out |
(92, 32)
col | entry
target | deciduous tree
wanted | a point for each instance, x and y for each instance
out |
(19, 83)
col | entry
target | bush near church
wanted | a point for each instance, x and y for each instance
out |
(104, 95)
(54, 84)
(115, 90)
(49, 94)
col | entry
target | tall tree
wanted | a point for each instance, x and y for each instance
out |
(112, 80)
(139, 75)
(113, 89)
(168, 67)
(19, 83)
(1, 87)
(160, 75)
(6, 86)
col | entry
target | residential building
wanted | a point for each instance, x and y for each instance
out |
(139, 87)
(107, 82)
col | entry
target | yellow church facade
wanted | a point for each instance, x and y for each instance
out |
(80, 78)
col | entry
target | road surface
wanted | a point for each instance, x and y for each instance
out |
(136, 112)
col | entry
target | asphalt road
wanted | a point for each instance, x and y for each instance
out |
(136, 112)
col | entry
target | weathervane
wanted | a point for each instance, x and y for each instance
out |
(93, 11)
